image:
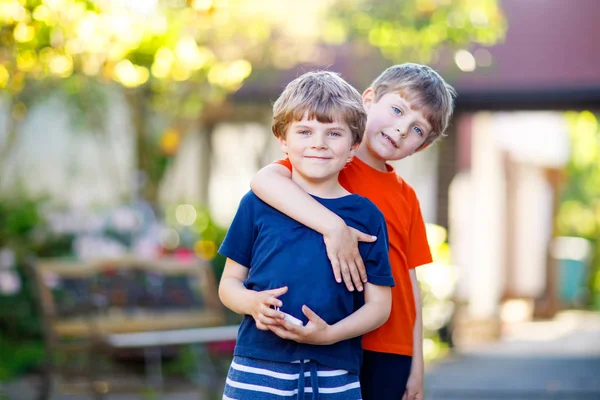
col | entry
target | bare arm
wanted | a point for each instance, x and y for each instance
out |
(373, 314)
(274, 186)
(414, 386)
(237, 298)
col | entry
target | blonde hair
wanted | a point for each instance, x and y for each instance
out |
(320, 95)
(425, 89)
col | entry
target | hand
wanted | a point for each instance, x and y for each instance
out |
(261, 310)
(414, 387)
(342, 251)
(314, 332)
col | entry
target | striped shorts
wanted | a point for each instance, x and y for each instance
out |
(254, 379)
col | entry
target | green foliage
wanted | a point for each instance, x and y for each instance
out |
(19, 356)
(186, 55)
(579, 213)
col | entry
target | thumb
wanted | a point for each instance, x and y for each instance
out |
(363, 237)
(310, 314)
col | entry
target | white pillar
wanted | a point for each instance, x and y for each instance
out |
(486, 278)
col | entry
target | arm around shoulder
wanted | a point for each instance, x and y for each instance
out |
(273, 184)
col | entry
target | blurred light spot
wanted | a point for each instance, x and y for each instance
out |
(130, 75)
(163, 60)
(440, 278)
(436, 234)
(169, 239)
(26, 60)
(192, 56)
(169, 142)
(10, 283)
(185, 214)
(24, 33)
(335, 33)
(426, 6)
(4, 76)
(144, 7)
(456, 20)
(483, 57)
(516, 310)
(202, 222)
(464, 60)
(159, 25)
(61, 66)
(101, 387)
(478, 17)
(43, 14)
(205, 249)
(202, 5)
(571, 248)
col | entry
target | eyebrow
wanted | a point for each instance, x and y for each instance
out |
(337, 127)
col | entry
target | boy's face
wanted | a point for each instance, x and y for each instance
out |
(318, 151)
(394, 130)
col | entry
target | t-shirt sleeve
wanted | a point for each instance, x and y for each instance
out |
(240, 237)
(285, 162)
(418, 252)
(377, 261)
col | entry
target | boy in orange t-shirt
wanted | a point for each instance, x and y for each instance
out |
(408, 108)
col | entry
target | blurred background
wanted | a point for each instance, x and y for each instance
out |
(130, 130)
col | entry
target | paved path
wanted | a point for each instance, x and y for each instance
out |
(557, 360)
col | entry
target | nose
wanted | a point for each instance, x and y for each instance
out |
(403, 132)
(318, 142)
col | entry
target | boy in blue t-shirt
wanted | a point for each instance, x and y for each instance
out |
(301, 330)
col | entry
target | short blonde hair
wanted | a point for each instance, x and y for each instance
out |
(423, 88)
(321, 95)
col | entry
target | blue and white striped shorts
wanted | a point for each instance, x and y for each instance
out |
(254, 379)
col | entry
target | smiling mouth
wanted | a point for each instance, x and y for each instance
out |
(389, 139)
(317, 158)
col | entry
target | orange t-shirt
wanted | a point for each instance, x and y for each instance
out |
(409, 248)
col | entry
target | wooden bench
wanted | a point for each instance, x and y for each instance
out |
(127, 303)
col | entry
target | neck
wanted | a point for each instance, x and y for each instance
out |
(368, 157)
(328, 188)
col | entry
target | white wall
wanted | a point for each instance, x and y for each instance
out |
(75, 168)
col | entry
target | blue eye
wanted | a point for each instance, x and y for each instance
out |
(336, 134)
(304, 132)
(418, 130)
(396, 110)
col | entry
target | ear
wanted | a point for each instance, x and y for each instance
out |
(283, 144)
(368, 98)
(421, 148)
(353, 150)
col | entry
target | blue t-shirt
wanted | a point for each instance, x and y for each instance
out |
(282, 252)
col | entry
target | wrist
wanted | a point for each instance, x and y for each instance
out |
(330, 335)
(335, 227)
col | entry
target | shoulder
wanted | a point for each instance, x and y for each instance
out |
(250, 202)
(408, 192)
(369, 210)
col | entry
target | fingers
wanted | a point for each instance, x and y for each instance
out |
(362, 237)
(276, 292)
(269, 300)
(282, 332)
(346, 276)
(360, 266)
(356, 279)
(335, 265)
(311, 315)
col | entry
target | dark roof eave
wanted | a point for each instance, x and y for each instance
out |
(529, 99)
